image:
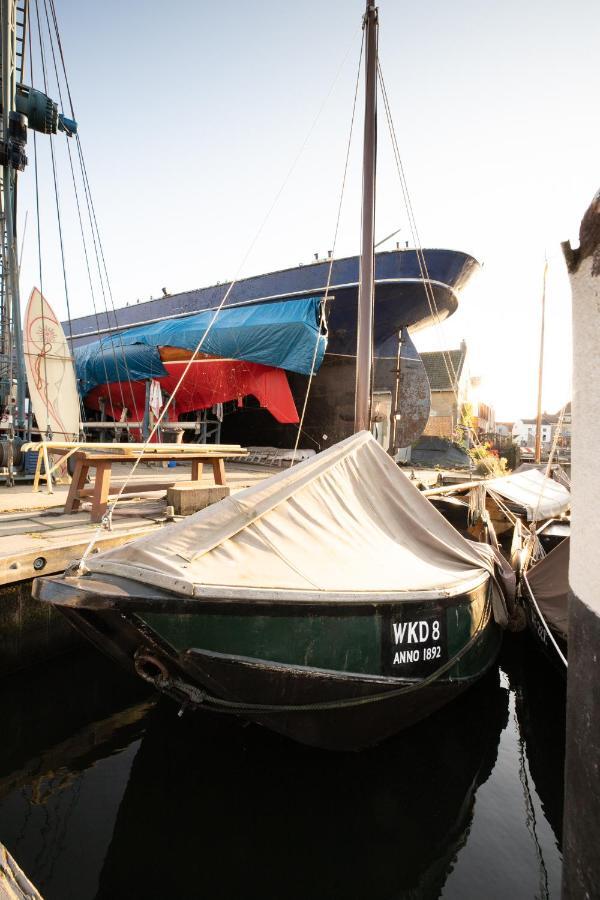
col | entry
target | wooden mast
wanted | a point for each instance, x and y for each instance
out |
(366, 292)
(538, 426)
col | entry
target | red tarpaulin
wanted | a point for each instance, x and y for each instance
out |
(208, 381)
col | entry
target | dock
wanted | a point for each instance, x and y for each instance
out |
(38, 538)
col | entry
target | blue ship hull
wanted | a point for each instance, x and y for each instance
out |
(400, 300)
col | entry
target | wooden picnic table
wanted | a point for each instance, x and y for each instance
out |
(102, 462)
(46, 470)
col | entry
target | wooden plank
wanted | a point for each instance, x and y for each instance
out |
(235, 449)
(156, 457)
(451, 488)
(18, 566)
(131, 488)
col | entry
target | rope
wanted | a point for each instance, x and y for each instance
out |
(107, 518)
(557, 431)
(234, 707)
(330, 268)
(95, 231)
(429, 293)
(83, 414)
(544, 623)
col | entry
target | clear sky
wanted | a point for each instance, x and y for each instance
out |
(192, 115)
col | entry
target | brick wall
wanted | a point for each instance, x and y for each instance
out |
(439, 426)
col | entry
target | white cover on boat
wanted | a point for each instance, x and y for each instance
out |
(346, 522)
(541, 497)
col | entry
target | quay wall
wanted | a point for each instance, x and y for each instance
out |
(581, 871)
(30, 632)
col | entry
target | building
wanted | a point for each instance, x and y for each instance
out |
(504, 429)
(455, 395)
(524, 430)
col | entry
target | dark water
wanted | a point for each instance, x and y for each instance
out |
(105, 793)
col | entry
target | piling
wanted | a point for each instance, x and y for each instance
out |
(581, 872)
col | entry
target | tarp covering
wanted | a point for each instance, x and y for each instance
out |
(549, 583)
(540, 497)
(282, 334)
(344, 524)
(207, 382)
(437, 451)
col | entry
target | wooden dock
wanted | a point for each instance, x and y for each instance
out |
(38, 538)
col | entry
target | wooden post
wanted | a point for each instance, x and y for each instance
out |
(219, 471)
(101, 489)
(77, 484)
(538, 427)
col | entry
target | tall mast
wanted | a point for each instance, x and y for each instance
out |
(366, 291)
(538, 427)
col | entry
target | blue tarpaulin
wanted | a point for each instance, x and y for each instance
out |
(282, 334)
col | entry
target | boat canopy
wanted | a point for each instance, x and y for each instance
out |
(540, 497)
(285, 334)
(343, 525)
(549, 584)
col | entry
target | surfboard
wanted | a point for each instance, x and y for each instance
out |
(50, 371)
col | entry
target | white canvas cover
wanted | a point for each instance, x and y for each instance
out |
(541, 497)
(346, 522)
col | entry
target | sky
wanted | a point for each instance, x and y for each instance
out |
(215, 137)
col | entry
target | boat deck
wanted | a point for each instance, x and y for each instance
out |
(37, 537)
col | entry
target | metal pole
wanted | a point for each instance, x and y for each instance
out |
(396, 398)
(9, 179)
(146, 422)
(366, 291)
(538, 426)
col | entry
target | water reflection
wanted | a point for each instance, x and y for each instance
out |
(105, 795)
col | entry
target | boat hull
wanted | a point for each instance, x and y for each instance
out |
(326, 675)
(401, 301)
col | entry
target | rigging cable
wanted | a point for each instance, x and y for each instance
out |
(107, 519)
(330, 269)
(449, 365)
(76, 192)
(94, 231)
(39, 243)
(56, 195)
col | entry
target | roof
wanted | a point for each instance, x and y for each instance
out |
(539, 496)
(547, 419)
(442, 366)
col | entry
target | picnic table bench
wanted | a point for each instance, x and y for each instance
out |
(102, 462)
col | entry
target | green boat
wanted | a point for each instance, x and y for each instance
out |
(331, 602)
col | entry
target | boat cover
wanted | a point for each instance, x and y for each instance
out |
(549, 583)
(283, 334)
(540, 497)
(345, 524)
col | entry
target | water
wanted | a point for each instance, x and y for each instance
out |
(106, 793)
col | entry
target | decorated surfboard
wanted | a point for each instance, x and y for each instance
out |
(50, 371)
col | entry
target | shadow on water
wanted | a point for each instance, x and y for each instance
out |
(222, 808)
(540, 704)
(106, 794)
